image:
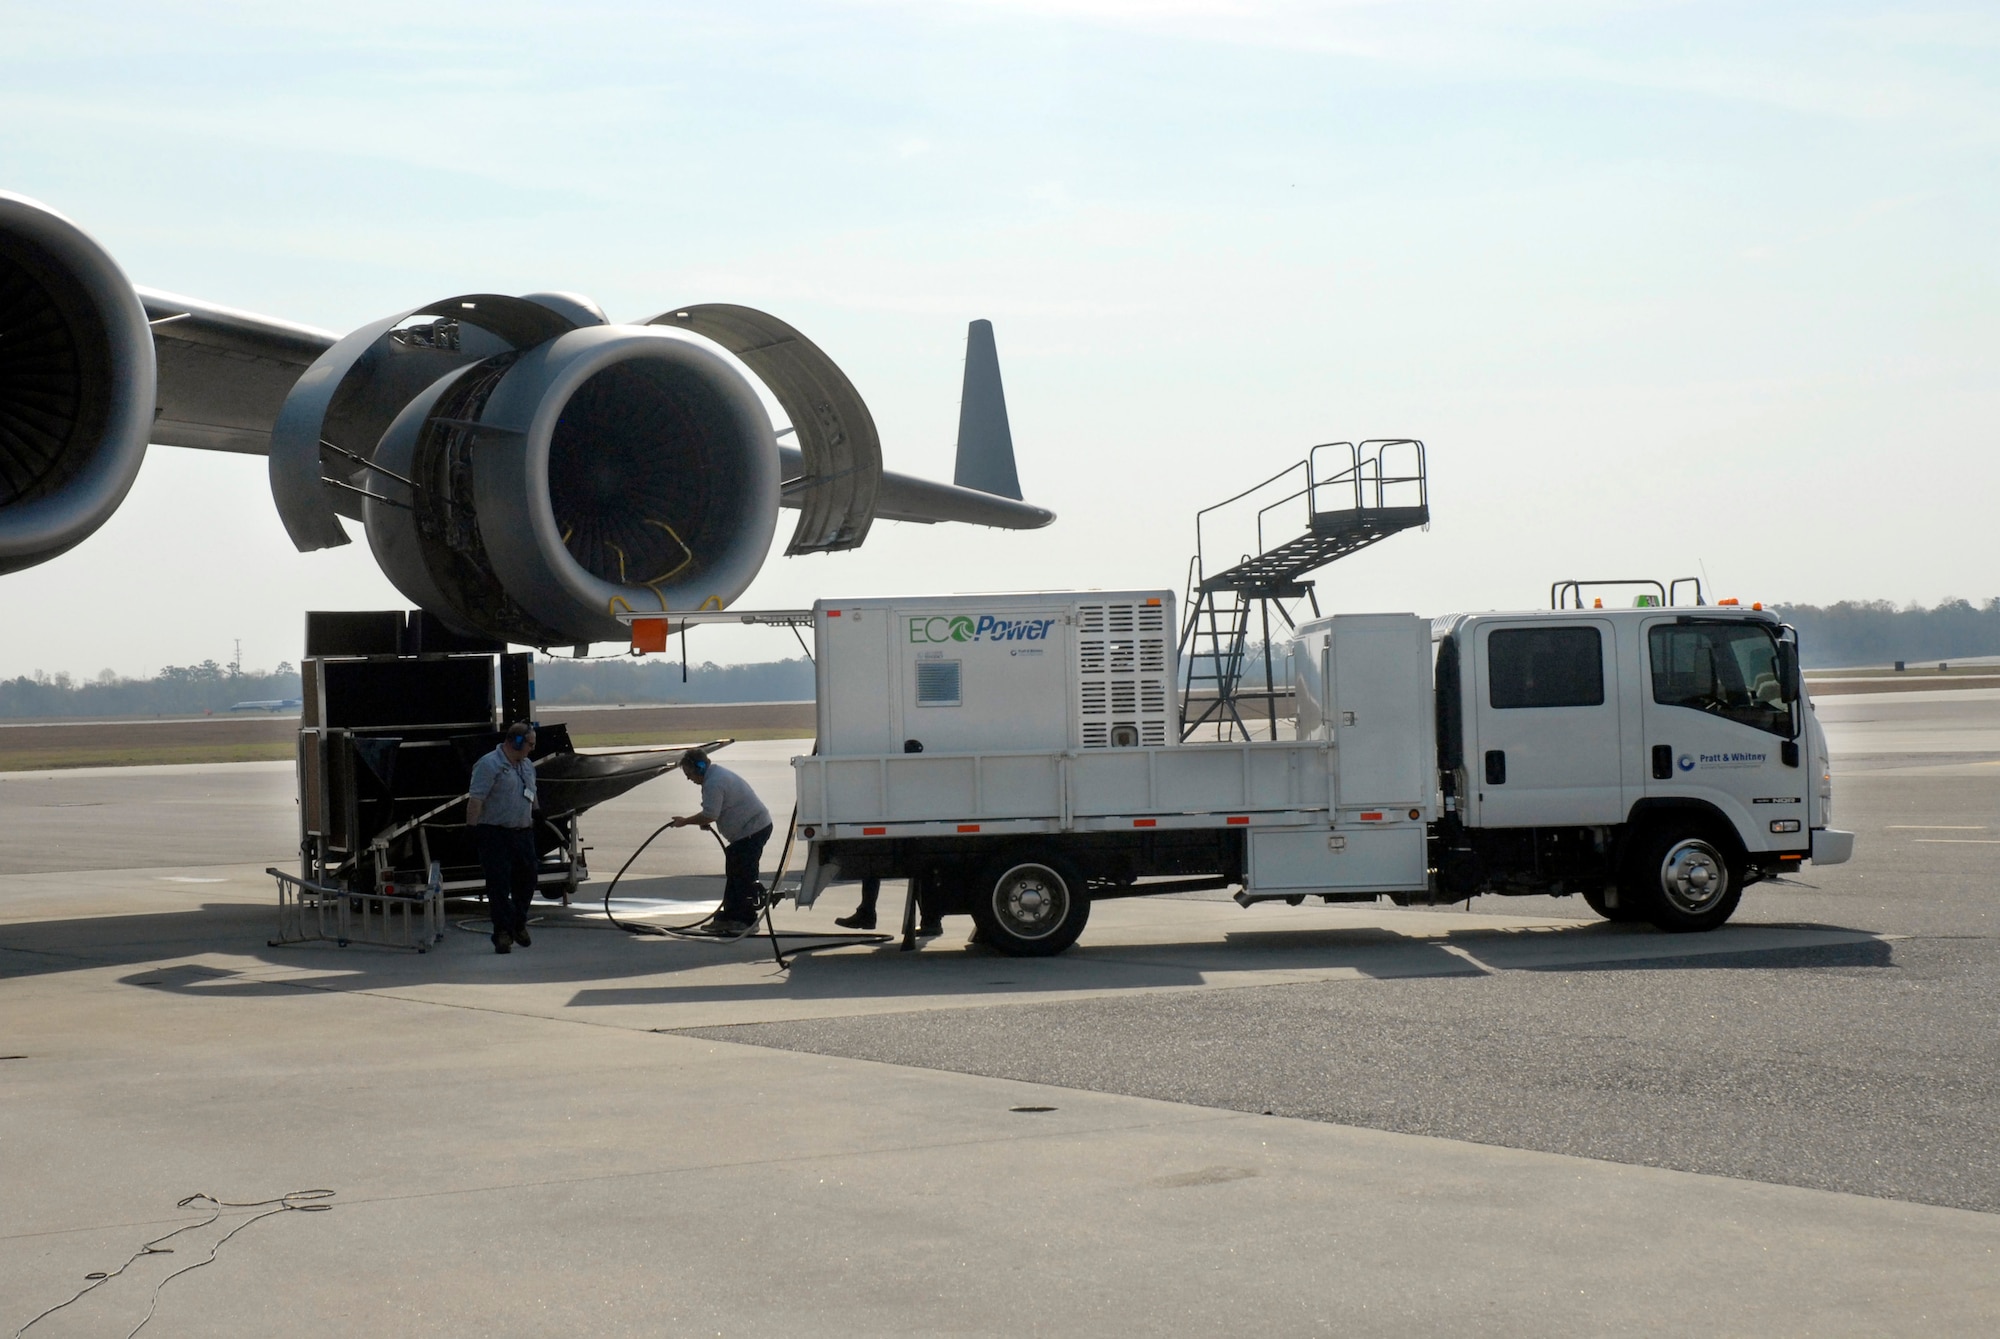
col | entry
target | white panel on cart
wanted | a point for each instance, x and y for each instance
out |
(1387, 859)
(856, 682)
(1381, 709)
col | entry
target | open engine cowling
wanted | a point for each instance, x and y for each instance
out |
(539, 492)
(77, 384)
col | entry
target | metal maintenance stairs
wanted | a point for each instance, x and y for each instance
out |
(1274, 575)
(1355, 495)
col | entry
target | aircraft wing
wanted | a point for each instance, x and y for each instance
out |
(905, 497)
(523, 468)
(223, 373)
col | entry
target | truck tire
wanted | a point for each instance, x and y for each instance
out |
(1682, 878)
(1031, 905)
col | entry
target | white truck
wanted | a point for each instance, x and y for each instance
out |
(1019, 757)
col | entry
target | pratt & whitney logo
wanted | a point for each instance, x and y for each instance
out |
(1689, 761)
(931, 629)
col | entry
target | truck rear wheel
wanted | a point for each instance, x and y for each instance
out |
(1684, 879)
(1031, 907)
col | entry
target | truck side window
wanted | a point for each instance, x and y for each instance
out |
(1725, 669)
(1545, 667)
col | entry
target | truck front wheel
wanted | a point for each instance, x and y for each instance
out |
(1031, 908)
(1684, 880)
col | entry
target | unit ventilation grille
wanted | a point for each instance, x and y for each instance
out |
(1124, 672)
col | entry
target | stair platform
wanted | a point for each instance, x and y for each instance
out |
(1274, 574)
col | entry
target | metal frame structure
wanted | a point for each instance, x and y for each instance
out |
(1569, 594)
(310, 910)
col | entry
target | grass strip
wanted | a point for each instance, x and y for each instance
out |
(120, 755)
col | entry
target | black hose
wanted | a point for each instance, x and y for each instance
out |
(613, 886)
(691, 930)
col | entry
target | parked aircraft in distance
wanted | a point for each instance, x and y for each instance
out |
(523, 468)
(275, 705)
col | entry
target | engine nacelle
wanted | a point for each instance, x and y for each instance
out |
(537, 493)
(77, 383)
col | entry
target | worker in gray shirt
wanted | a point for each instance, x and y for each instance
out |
(500, 807)
(732, 808)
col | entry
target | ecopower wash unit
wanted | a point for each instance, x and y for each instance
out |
(1019, 755)
(1006, 672)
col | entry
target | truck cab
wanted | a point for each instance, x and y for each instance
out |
(1655, 759)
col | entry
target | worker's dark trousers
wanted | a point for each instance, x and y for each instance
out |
(508, 857)
(740, 860)
(871, 891)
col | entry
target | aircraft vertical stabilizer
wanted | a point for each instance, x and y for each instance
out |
(985, 444)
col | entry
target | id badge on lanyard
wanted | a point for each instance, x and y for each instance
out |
(528, 788)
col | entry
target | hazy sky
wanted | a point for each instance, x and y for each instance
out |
(1666, 287)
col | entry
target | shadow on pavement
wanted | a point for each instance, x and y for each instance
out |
(576, 946)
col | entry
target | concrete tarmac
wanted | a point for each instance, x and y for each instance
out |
(1510, 1119)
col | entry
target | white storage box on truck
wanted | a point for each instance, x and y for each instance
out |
(1018, 756)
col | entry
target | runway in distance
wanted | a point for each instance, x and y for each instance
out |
(522, 467)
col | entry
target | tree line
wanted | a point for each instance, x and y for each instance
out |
(177, 690)
(1876, 632)
(580, 683)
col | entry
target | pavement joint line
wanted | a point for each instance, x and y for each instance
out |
(51, 953)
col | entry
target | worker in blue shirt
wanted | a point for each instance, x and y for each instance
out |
(729, 806)
(500, 807)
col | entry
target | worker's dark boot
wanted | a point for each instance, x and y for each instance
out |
(860, 920)
(521, 938)
(503, 942)
(930, 929)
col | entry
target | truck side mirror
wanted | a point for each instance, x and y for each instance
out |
(1788, 670)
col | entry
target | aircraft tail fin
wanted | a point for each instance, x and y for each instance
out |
(985, 443)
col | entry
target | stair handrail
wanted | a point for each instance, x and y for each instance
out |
(1367, 473)
(1201, 516)
(1312, 458)
(1190, 606)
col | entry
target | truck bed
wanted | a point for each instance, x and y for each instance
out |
(1283, 783)
(1301, 835)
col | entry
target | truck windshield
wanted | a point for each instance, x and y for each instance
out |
(1725, 669)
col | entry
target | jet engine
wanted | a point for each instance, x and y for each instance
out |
(528, 472)
(76, 384)
(538, 493)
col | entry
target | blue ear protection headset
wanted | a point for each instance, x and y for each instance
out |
(518, 740)
(701, 766)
